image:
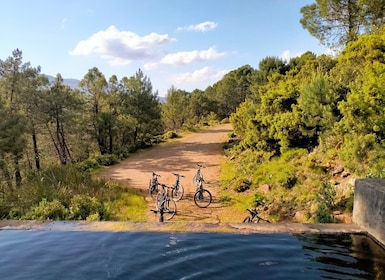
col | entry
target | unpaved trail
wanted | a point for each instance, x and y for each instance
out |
(179, 156)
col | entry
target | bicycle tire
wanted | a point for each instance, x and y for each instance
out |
(202, 198)
(246, 220)
(169, 209)
(159, 199)
(153, 189)
(177, 193)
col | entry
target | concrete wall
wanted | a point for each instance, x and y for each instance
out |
(369, 207)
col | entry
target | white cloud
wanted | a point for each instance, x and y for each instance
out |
(121, 47)
(150, 66)
(203, 27)
(181, 58)
(287, 55)
(206, 75)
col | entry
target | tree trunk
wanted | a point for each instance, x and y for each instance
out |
(35, 148)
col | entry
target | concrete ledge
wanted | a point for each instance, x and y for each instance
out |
(246, 228)
(369, 207)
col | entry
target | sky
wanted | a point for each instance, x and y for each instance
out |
(185, 44)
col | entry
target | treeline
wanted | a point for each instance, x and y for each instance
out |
(48, 125)
(336, 103)
(306, 120)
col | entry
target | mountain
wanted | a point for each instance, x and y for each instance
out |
(74, 83)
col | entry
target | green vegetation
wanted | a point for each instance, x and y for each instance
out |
(301, 127)
(65, 193)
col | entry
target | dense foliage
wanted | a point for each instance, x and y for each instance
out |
(318, 122)
(300, 126)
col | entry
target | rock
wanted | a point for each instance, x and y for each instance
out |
(265, 188)
(300, 216)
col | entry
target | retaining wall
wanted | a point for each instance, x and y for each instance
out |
(369, 207)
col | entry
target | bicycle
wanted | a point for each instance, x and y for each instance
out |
(252, 215)
(153, 185)
(198, 175)
(164, 203)
(178, 190)
(202, 197)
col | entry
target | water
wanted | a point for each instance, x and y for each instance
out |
(147, 255)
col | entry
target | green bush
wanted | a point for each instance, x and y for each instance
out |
(349, 204)
(15, 213)
(327, 195)
(83, 206)
(322, 214)
(52, 210)
(87, 165)
(107, 160)
(170, 135)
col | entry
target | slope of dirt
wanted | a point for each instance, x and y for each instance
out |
(178, 156)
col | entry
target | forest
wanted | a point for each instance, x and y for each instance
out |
(295, 123)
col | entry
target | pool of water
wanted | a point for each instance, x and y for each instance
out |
(148, 255)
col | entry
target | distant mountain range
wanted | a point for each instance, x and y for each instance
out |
(74, 83)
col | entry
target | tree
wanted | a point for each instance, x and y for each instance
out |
(232, 90)
(142, 105)
(201, 105)
(59, 108)
(318, 108)
(337, 22)
(94, 85)
(13, 126)
(175, 111)
(34, 85)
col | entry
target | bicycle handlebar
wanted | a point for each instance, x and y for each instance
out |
(178, 175)
(253, 211)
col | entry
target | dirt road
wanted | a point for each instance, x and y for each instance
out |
(179, 156)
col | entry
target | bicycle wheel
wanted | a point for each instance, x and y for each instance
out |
(169, 209)
(246, 220)
(159, 199)
(153, 189)
(177, 193)
(202, 198)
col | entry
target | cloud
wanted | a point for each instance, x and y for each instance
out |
(150, 66)
(287, 55)
(202, 27)
(121, 47)
(181, 58)
(206, 75)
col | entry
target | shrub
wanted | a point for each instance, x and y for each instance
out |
(170, 135)
(322, 214)
(87, 165)
(107, 160)
(83, 206)
(52, 210)
(327, 195)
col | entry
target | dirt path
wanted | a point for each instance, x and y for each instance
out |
(178, 156)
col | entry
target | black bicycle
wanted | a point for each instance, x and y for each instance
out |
(198, 177)
(164, 203)
(253, 214)
(202, 197)
(153, 188)
(178, 190)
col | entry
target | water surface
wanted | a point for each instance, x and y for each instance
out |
(147, 255)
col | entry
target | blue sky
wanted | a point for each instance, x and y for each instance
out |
(188, 44)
